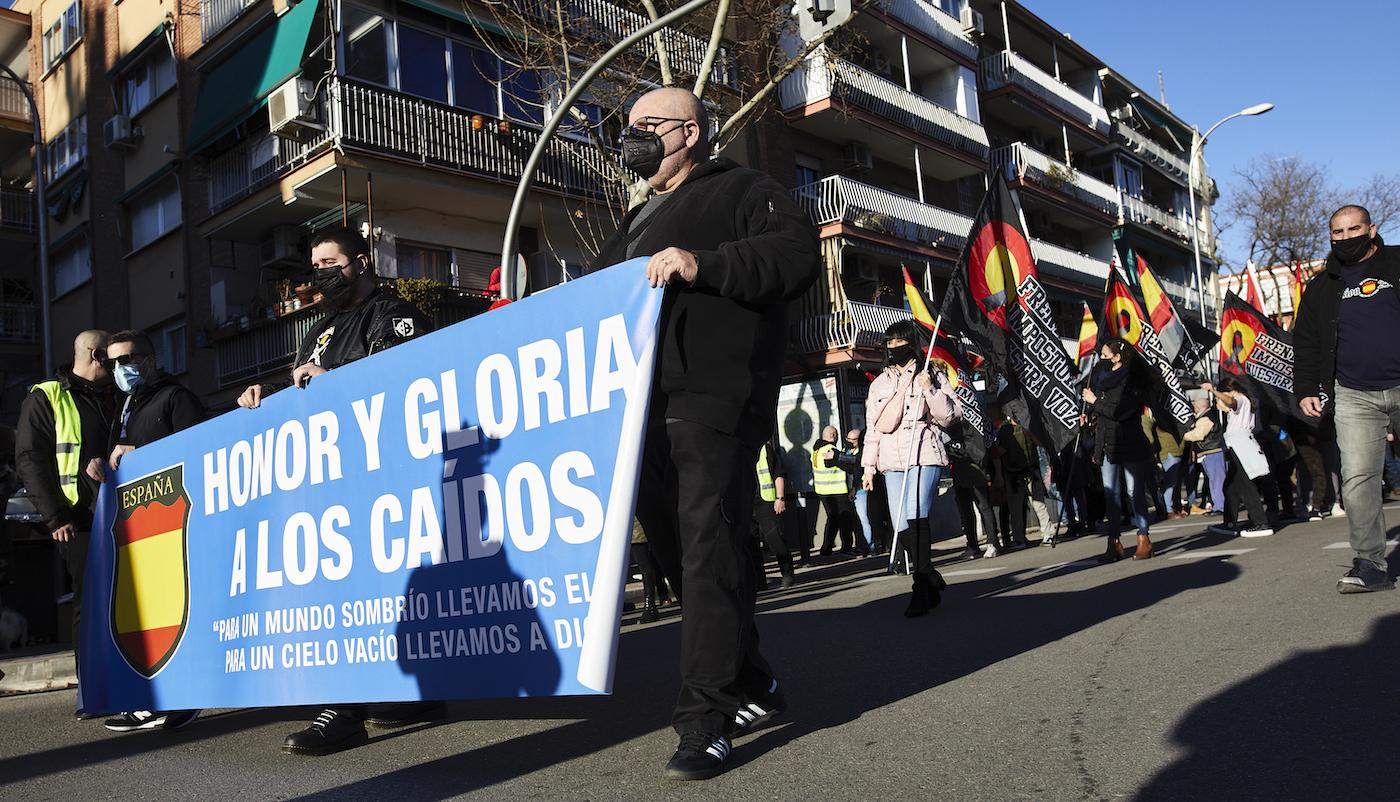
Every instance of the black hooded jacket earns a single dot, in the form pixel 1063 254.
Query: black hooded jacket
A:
pixel 724 337
pixel 34 450
pixel 1120 396
pixel 158 409
pixel 1315 325
pixel 378 322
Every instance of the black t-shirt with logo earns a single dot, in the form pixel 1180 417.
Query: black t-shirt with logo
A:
pixel 1368 328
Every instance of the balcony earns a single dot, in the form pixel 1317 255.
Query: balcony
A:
pixel 1021 162
pixel 215 15
pixel 1168 162
pixel 13 104
pixel 825 78
pixel 1143 213
pixel 936 23
pixel 270 346
pixel 17 323
pixel 1072 264
pixel 17 209
pixel 601 21
pixel 858 325
pixel 838 199
pixel 385 123
pixel 1012 69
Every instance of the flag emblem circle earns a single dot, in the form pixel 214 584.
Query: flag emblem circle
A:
pixel 997 253
pixel 1238 331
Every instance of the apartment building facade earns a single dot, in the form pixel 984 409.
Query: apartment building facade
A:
pixel 21 361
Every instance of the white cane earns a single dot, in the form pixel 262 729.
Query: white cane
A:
pixel 913 447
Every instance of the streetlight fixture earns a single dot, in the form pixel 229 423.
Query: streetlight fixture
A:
pixel 1198 144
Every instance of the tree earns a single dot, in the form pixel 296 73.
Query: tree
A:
pixel 1380 196
pixel 1282 205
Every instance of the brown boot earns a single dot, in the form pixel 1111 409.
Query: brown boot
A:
pixel 1114 552
pixel 1144 548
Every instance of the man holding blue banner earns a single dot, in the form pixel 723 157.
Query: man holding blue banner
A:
pixel 361 319
pixel 732 249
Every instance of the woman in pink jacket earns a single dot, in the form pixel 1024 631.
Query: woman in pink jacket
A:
pixel 908 408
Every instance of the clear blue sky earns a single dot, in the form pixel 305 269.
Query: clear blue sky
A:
pixel 1328 66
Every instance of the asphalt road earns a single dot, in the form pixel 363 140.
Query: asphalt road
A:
pixel 1220 670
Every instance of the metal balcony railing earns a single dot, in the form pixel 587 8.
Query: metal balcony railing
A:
pixel 934 21
pixel 13 103
pixel 606 22
pixel 1011 68
pixel 1077 265
pixel 17 323
pixel 1147 150
pixel 1020 161
pixel 841 199
pixel 858 325
pixel 823 76
pixel 17 209
pixel 377 120
pixel 215 15
pixel 1144 213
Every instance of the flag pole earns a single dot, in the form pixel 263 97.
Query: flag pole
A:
pixel 913 446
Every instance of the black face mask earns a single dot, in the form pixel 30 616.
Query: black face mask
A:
pixel 643 151
pixel 899 354
pixel 1351 250
pixel 337 291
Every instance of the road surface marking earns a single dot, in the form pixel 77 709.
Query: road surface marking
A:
pixel 1191 555
pixel 971 571
pixel 1342 544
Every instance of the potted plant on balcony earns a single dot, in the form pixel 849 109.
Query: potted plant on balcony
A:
pixel 1058 176
pixel 424 293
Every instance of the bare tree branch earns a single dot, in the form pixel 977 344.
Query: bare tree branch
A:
pixel 663 58
pixel 716 35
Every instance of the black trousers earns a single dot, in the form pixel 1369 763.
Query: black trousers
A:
pixel 75 559
pixel 1013 511
pixel 695 502
pixel 840 520
pixel 651 577
pixel 1240 489
pixel 768 528
pixel 975 501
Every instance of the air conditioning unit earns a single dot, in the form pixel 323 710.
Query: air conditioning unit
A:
pixel 291 110
pixel 857 156
pixel 282 246
pixel 118 132
pixel 971 20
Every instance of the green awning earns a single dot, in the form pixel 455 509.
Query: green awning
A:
pixel 454 12
pixel 240 84
pixel 1178 133
pixel 133 55
pixel 148 182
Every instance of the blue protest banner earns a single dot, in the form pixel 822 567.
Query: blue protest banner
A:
pixel 447 519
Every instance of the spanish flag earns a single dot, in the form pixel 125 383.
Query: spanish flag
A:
pixel 1088 336
pixel 1298 282
pixel 917 307
pixel 150 601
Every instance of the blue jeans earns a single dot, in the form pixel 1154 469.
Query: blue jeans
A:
pixel 1172 468
pixel 918 497
pixel 1214 466
pixel 863 512
pixel 1135 475
pixel 1362 418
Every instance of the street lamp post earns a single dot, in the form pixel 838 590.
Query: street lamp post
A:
pixel 1198 144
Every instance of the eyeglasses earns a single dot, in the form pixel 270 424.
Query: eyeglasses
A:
pixel 648 125
pixel 121 359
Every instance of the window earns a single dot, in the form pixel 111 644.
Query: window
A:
pixel 72 266
pixel 62 35
pixel 474 76
pixel 150 78
pixel 809 170
pixel 424 261
pixel 169 345
pixel 366 46
pixel 68 148
pixel 154 212
pixel 522 97
pixel 422 64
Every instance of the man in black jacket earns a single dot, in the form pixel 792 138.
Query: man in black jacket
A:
pixel 155 406
pixel 44 441
pixel 1346 364
pixel 732 250
pixel 361 319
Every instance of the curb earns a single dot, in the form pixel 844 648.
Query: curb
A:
pixel 37 673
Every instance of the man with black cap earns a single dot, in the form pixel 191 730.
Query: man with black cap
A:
pixel 732 250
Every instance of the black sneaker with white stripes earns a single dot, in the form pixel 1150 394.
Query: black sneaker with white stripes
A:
pixel 150 720
pixel 754 713
pixel 699 756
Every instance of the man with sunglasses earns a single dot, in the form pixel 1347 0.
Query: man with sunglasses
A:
pixel 64 423
pixel 362 318
pixel 732 250
pixel 154 405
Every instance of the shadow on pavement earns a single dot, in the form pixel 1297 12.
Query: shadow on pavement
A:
pixel 1322 725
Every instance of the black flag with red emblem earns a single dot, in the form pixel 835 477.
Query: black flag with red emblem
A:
pixel 997 301
pixel 1255 350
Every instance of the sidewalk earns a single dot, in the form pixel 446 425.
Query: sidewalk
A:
pixel 36 669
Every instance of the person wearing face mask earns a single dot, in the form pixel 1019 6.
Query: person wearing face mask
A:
pixel 1346 365
pixel 154 405
pixel 64 423
pixel 361 320
pixel 1118 390
pixel 732 249
pixel 908 409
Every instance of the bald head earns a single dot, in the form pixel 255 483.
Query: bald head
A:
pixel 89 351
pixel 678 118
pixel 830 433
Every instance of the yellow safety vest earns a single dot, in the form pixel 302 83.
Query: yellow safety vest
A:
pixel 829 481
pixel 767 490
pixel 67 436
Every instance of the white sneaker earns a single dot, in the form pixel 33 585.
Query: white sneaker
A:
pixel 1338 512
pixel 991 551
pixel 1262 531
